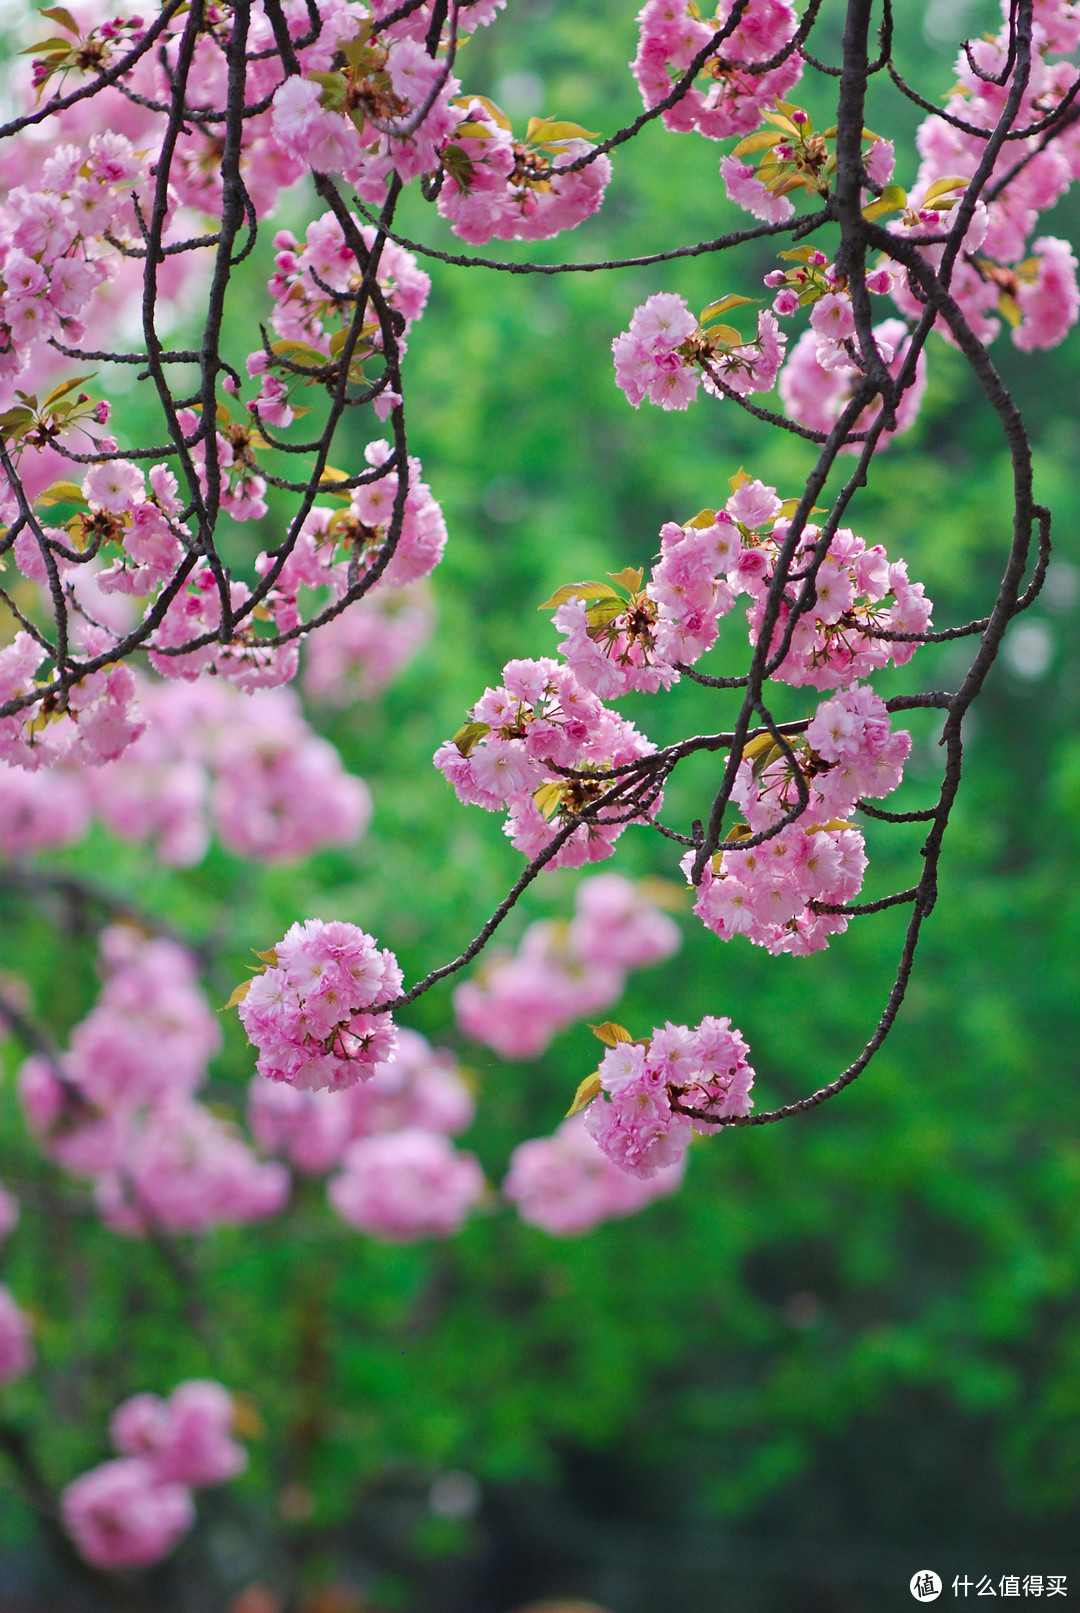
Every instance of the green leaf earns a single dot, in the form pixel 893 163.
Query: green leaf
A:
pixel 757 747
pixel 724 305
pixel 611 1034
pixel 467 736
pixel 892 199
pixel 465 101
pixel 726 335
pixel 940 187
pixel 761 141
pixel 472 131
pixel 578 590
pixel 459 165
pixel 63 16
pixel 790 505
pixel 53 47
pixel 629 578
pixel 1009 308
pixel 766 759
pixel 781 122
pixel 334 89
pixel 13 422
pixel 587 1090
pixel 62 493
pixel 548 132
pixel 549 796
pixel 605 611
pixel 299 353
pixel 738 831
pixel 327 482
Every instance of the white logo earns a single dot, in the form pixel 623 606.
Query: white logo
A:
pixel 925 1585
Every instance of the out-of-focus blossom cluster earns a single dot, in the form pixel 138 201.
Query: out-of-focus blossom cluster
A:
pixel 119 1105
pixel 562 972
pixel 130 1512
pixel 388 1136
pixel 566 1185
pixel 210 760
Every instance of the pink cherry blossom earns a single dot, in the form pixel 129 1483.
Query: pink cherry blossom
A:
pixel 119 1517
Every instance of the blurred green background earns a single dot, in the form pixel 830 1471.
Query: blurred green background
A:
pixel 850 1348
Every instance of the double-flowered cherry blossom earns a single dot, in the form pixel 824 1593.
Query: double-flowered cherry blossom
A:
pixel 649 1097
pixel 770 892
pixel 309 1013
pixel 131 1512
pixel 727 99
pixel 504 189
pixel 538 721
pixel 660 355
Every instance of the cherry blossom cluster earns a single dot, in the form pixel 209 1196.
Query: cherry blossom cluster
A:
pixel 132 1511
pixel 119 1105
pixel 210 760
pixel 309 1013
pixel 1031 284
pixel 563 971
pixel 769 892
pixel 533 746
pixel 74 215
pixel 727 99
pixel 504 189
pixel 614 644
pixel 56 252
pixel 659 356
pixel 334 542
pixel 386 110
pixel 565 1185
pixel 649 1097
pixel 102 719
pixel 793 156
pixel 315 288
pixel 391 108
